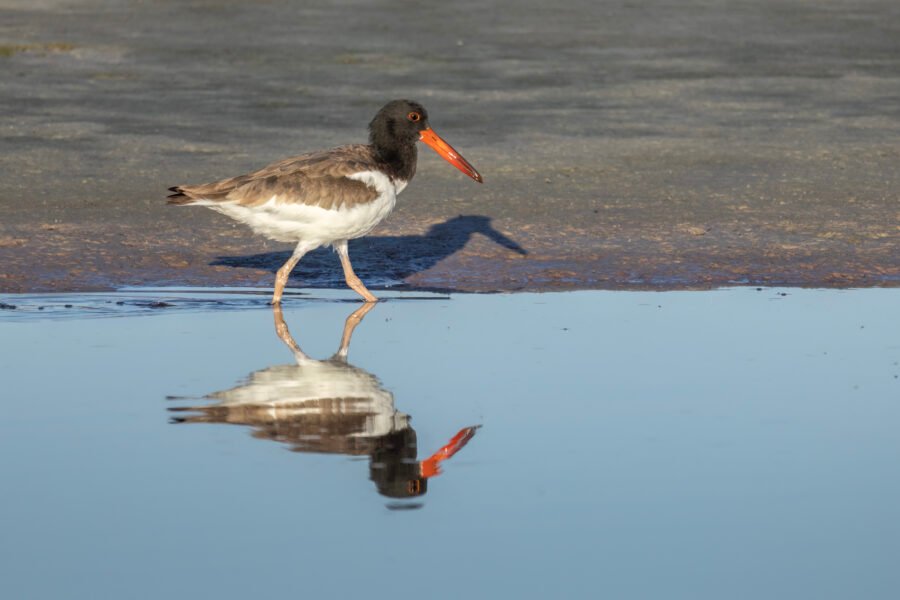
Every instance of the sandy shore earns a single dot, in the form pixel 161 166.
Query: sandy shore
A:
pixel 623 144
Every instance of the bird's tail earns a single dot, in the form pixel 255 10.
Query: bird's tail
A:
pixel 178 197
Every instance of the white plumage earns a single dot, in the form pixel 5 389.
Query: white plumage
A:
pixel 286 221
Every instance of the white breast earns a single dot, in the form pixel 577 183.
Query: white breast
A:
pixel 285 221
pixel 311 387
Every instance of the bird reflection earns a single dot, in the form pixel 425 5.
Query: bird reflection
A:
pixel 330 406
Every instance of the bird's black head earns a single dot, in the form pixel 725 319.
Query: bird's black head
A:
pixel 395 130
pixel 398 123
pixel 393 465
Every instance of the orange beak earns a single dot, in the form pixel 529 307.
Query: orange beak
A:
pixel 431 465
pixel 449 154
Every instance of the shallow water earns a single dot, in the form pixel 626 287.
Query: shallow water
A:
pixel 739 443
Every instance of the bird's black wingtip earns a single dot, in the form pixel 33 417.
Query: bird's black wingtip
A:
pixel 178 196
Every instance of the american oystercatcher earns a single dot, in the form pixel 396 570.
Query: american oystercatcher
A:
pixel 329 406
pixel 332 196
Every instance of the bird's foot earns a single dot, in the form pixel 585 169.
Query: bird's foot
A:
pixel 357 286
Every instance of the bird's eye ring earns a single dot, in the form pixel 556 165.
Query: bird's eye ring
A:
pixel 414 117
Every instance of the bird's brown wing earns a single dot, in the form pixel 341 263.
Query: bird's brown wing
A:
pixel 317 179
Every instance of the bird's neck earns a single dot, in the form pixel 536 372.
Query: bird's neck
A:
pixel 399 159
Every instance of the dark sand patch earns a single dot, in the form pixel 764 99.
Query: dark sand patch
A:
pixel 623 145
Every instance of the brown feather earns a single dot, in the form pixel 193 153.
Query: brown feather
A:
pixel 324 424
pixel 315 179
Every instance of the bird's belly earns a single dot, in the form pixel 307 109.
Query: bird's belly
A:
pixel 293 222
pixel 313 390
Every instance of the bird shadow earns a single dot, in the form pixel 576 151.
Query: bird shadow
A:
pixel 381 261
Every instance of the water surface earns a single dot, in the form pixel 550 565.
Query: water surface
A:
pixel 730 444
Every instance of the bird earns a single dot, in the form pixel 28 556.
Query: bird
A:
pixel 329 407
pixel 331 196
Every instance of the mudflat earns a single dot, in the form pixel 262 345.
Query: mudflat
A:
pixel 623 144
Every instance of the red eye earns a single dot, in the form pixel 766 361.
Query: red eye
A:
pixel 413 116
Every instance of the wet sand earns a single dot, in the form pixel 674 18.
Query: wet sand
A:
pixel 626 145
